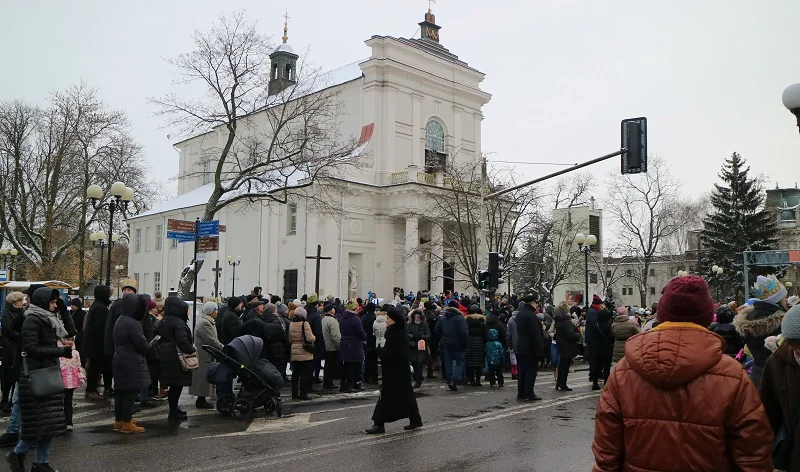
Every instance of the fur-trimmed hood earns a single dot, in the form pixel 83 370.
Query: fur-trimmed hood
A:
pixel 749 325
pixel 475 316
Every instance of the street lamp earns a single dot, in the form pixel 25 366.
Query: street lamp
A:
pixel 121 197
pixel 717 271
pixel 119 269
pixel 791 100
pixel 8 256
pixel 510 266
pixel 233 264
pixel 585 244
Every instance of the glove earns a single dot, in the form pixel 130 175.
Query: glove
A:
pixel 67 352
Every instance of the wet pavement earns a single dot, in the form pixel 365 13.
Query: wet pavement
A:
pixel 472 429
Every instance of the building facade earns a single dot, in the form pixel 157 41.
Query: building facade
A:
pixel 415 105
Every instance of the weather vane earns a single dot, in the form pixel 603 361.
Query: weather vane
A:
pixel 430 2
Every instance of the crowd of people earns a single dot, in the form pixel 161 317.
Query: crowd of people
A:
pixel 686 370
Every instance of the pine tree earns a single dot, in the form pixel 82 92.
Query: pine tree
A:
pixel 739 222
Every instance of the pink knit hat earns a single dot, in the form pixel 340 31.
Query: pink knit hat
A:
pixel 622 311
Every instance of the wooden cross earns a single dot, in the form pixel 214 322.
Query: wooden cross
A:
pixel 216 271
pixel 319 258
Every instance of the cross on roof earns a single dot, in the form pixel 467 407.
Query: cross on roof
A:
pixel 430 2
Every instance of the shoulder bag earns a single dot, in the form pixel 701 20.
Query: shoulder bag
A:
pixel 782 446
pixel 43 382
pixel 309 347
pixel 189 362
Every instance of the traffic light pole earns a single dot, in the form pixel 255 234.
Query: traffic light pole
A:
pixel 483 254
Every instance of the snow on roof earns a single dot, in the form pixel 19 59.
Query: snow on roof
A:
pixel 196 197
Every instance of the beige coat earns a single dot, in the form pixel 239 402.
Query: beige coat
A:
pixel 622 328
pixel 296 338
pixel 205 333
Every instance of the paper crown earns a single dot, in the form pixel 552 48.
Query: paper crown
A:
pixel 132 283
pixel 769 289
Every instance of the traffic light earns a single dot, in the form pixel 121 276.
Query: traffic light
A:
pixel 483 279
pixel 495 271
pixel 634 142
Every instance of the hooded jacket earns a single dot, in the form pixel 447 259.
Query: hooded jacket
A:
pixel 297 329
pixel 452 330
pixel 352 337
pixel 622 329
pixel 94 323
pixel 756 324
pixel 779 393
pixel 476 350
pixel 175 335
pixel 130 346
pixel 675 402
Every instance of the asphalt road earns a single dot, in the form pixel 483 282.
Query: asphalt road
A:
pixel 474 429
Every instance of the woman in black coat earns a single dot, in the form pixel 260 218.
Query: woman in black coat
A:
pixel 42 417
pixel 603 346
pixel 397 400
pixel 567 342
pixel 475 357
pixel 418 331
pixel 130 366
pixel 94 325
pixel 175 334
pixel 724 327
pixel 13 316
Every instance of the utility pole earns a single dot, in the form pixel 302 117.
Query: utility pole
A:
pixel 483 251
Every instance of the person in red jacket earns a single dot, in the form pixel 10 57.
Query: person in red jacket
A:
pixel 676 402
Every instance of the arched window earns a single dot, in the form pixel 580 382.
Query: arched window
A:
pixel 434 137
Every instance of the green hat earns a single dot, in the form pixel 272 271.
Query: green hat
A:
pixel 313 298
pixel 351 305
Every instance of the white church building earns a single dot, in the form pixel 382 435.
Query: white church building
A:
pixel 415 105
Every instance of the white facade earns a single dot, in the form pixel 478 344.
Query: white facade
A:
pixel 395 93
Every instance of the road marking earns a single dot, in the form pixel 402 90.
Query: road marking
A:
pixel 322 449
pixel 276 425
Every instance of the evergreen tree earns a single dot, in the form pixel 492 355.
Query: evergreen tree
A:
pixel 738 222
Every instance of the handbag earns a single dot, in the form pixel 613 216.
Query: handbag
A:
pixel 309 347
pixel 43 382
pixel 782 445
pixel 188 362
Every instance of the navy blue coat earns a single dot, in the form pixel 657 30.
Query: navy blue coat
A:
pixel 315 320
pixel 367 320
pixel 353 337
pixel 452 331
pixel 130 346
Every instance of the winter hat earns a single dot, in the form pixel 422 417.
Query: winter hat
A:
pixel 151 305
pixel 209 307
pixel 300 311
pixel 351 305
pixel 14 297
pixel 328 307
pixel 76 302
pixel 687 299
pixel 790 326
pixel 474 309
pixel 270 308
pixel 793 300
pixel 453 304
pixel 313 298
pixel 596 300
pixel 622 311
pixel 769 289
pixel 233 303
pixel 129 283
pixel 283 309
pixel 43 296
pixel 396 316
pixel 531 298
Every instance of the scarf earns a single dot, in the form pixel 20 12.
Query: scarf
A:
pixel 50 317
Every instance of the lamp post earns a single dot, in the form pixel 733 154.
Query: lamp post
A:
pixel 514 251
pixel 791 100
pixel 717 271
pixel 585 244
pixel 119 269
pixel 8 257
pixel 233 264
pixel 121 197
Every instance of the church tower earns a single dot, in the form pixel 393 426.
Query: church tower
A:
pixel 429 28
pixel 283 73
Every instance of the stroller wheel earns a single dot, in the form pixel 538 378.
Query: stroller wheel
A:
pixel 269 405
pixel 225 404
pixel 242 409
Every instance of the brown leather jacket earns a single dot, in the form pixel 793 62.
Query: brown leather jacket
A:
pixel 676 403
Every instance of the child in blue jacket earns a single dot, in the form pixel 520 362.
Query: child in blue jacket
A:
pixel 495 356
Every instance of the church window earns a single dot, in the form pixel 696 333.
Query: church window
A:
pixel 274 71
pixel 291 224
pixel 434 137
pixel 138 240
pixel 788 214
pixel 207 176
pixel 289 72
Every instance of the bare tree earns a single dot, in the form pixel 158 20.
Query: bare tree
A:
pixel 645 208
pixel 272 145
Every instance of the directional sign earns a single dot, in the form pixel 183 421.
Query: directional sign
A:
pixel 180 225
pixel 182 237
pixel 3 275
pixel 207 244
pixel 208 228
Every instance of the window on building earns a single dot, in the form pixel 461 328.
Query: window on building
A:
pixel 652 272
pixel 652 290
pixel 173 243
pixel 628 273
pixel 627 290
pixel 137 245
pixel 592 278
pixel 291 222
pixel 136 276
pixel 608 274
pixel 788 215
pixel 147 239
pixel 672 271
pixel 434 147
pixel 208 177
pixel 594 228
pixel 159 237
pixel 156 281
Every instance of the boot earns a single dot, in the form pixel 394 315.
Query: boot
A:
pixel 411 426
pixel 94 397
pixel 376 429
pixel 16 461
pixel 417 384
pixel 595 385
pixel 9 440
pixel 162 394
pixel 43 467
pixel 117 426
pixel 130 427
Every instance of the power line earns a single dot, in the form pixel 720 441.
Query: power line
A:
pixel 534 163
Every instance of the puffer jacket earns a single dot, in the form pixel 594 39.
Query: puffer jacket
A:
pixel 622 329
pixel 299 326
pixel 331 333
pixel 676 388
pixel 175 334
pixel 379 328
pixel 755 324
pixel 43 417
pixel 277 347
pixel 12 342
pixel 567 336
pixel 130 346
pixel 778 389
pixel 452 331
pixel 476 350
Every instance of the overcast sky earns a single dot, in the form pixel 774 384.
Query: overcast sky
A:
pixel 708 74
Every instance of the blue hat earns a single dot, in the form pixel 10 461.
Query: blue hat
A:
pixel 790 326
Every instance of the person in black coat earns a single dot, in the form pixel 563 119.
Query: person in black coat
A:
pixel 370 354
pixel 475 357
pixel 42 417
pixel 277 346
pixel 603 346
pixel 175 335
pixel 418 331
pixel 78 315
pixel 530 345
pixel 397 400
pixel 94 342
pixel 130 365
pixel 724 327
pixel 315 320
pixel 13 316
pixel 230 323
pixel 114 312
pixel 567 342
pixel 431 317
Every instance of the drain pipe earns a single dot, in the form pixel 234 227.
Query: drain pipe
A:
pixel 341 239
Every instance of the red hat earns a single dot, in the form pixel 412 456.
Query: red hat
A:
pixel 151 304
pixel 686 299
pixel 596 300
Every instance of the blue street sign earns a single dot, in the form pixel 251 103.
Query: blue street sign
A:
pixel 181 236
pixel 208 228
pixel 3 275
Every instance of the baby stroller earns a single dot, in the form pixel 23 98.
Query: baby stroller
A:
pixel 261 381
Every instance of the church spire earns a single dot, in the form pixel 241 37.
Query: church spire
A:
pixel 285 27
pixel 283 72
pixel 428 28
